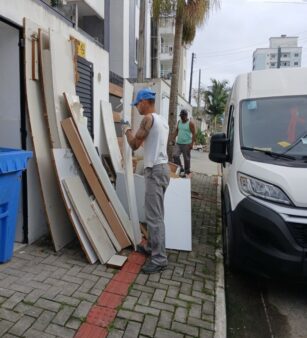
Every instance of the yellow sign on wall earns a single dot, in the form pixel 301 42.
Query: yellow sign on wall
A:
pixel 81 48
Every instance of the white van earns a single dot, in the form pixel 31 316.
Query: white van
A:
pixel 263 152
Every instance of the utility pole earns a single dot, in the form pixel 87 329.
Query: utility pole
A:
pixel 191 76
pixel 141 48
pixel 198 97
pixel 278 57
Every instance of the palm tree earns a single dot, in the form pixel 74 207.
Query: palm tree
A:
pixel 189 15
pixel 216 99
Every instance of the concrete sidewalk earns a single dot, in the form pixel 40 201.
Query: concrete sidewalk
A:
pixel 48 294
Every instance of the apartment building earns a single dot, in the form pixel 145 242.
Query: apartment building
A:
pixel 283 52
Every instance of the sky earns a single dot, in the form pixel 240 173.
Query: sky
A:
pixel 224 45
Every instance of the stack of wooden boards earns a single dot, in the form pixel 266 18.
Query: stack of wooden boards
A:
pixel 78 195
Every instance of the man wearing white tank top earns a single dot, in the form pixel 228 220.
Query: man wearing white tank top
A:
pixel 153 132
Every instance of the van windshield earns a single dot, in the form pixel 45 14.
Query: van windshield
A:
pixel 276 125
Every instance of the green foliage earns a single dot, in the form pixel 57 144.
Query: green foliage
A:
pixel 200 137
pixel 216 98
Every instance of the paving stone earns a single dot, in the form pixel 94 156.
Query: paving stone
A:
pixel 206 334
pixel 147 310
pixel 85 296
pixel 157 285
pixel 33 296
pixel 203 296
pixel 166 319
pixel 67 300
pixel 82 310
pixel 76 269
pixel 21 326
pixel 6 292
pixel 145 299
pixel 131 315
pixel 143 288
pixel 162 333
pixel 129 302
pixel 185 329
pixel 29 310
pixel 9 315
pixel 60 331
pixel 201 323
pixel 32 333
pixel 63 315
pixel 48 305
pixel 173 291
pixel 198 286
pixel 169 282
pixel 132 330
pixel 135 293
pixel 115 333
pixel 208 307
pixel 149 325
pixel 20 288
pixel 11 302
pixel 43 320
pixel 5 325
pixel 190 299
pixel 195 311
pixel 159 295
pixel 181 314
pixel 176 302
pixel 73 323
pixel 86 286
pixel 120 323
pixel 186 289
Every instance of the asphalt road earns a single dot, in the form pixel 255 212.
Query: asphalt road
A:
pixel 200 163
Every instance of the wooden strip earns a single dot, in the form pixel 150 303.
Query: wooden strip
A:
pixel 115 90
pixel 60 227
pixel 105 224
pixel 66 166
pixel 81 155
pixel 109 130
pixel 128 167
pixel 91 224
pixel 99 168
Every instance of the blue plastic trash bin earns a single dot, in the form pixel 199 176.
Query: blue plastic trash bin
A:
pixel 12 163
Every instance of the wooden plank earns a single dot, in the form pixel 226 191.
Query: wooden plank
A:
pixel 105 224
pixel 99 168
pixel 128 167
pixel 85 164
pixel 60 227
pixel 66 167
pixel 91 224
pixel 115 90
pixel 109 131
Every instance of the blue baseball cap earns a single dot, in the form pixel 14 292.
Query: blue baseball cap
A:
pixel 144 94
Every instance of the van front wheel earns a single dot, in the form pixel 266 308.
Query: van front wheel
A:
pixel 228 236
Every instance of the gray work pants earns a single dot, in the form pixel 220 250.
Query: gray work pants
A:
pixel 156 182
pixel 185 150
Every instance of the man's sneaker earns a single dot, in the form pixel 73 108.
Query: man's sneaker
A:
pixel 142 250
pixel 151 267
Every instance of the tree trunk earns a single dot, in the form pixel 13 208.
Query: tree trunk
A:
pixel 172 118
pixel 141 47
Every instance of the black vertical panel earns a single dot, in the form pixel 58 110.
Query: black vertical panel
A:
pixel 84 89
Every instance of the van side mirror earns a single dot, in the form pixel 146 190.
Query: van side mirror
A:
pixel 218 148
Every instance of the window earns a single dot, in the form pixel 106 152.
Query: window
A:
pixel 296 54
pixel 273 64
pixel 273 56
pixel 230 132
pixel 295 63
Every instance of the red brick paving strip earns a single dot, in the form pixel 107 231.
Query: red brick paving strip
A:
pixel 104 312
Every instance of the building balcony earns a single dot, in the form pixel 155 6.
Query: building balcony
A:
pixel 166 74
pixel 166 52
pixel 89 7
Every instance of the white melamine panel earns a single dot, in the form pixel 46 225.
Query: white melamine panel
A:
pixel 91 223
pixel 60 227
pixel 109 131
pixel 66 166
pixel 128 166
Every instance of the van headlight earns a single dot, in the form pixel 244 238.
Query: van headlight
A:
pixel 254 187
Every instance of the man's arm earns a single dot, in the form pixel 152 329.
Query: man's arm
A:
pixel 136 141
pixel 192 128
pixel 173 139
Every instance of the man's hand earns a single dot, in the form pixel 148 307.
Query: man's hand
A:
pixel 125 126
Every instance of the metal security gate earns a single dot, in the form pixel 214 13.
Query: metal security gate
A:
pixel 84 89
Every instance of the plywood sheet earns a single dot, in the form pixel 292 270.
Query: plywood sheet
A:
pixel 98 167
pixel 91 224
pixel 109 131
pixel 61 229
pixel 128 167
pixel 85 164
pixel 117 261
pixel 66 166
pixel 105 224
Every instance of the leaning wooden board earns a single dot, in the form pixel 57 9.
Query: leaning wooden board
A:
pixel 60 227
pixel 66 167
pixel 85 164
pixel 98 167
pixel 91 224
pixel 128 166
pixel 109 130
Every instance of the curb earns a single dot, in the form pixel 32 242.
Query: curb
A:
pixel 220 300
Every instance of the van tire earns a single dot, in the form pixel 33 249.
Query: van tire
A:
pixel 228 235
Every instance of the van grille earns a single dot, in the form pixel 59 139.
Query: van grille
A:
pixel 299 232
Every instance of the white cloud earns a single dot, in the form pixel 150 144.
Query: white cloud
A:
pixel 225 44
